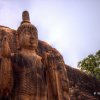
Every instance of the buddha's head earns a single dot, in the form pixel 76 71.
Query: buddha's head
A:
pixel 27 33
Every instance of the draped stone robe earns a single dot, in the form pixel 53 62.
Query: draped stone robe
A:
pixel 29 79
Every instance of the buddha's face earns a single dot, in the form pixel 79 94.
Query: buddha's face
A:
pixel 28 40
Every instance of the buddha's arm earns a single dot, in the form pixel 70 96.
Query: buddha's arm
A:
pixel 56 77
pixel 6 73
pixel 51 77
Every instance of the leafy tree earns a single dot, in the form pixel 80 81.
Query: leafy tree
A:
pixel 91 65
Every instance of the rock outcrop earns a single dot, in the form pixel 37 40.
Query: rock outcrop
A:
pixel 82 86
pixel 34 70
pixel 61 81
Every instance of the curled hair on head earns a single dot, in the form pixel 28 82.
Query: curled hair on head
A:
pixel 25 28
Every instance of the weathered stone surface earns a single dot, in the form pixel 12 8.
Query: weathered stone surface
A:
pixel 37 71
pixel 82 86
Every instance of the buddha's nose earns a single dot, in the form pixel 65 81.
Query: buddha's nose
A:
pixel 32 36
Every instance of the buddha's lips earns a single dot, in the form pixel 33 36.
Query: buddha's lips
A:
pixel 32 41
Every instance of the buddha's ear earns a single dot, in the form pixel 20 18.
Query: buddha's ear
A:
pixel 18 43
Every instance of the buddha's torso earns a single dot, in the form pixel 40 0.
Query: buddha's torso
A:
pixel 29 77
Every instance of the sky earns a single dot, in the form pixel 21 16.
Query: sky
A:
pixel 70 26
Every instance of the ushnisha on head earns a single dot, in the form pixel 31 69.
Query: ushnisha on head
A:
pixel 25 17
pixel 27 33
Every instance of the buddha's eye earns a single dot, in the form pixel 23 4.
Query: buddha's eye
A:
pixel 1 38
pixel 27 33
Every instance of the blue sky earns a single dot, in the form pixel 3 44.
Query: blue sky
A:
pixel 71 26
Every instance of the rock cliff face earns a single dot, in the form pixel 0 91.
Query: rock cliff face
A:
pixel 81 86
pixel 45 78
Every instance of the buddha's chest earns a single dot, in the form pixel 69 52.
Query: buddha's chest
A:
pixel 28 75
pixel 28 84
pixel 27 64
